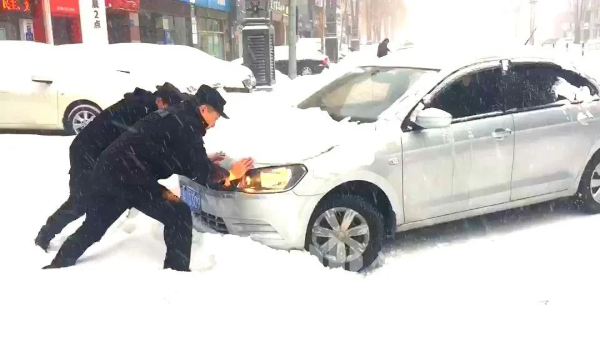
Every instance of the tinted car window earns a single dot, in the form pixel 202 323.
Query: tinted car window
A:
pixel 472 94
pixel 531 86
pixel 364 94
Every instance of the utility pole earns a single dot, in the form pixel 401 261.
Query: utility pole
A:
pixel 292 73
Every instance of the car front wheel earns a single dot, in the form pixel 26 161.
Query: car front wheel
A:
pixel 345 231
pixel 79 116
pixel 589 187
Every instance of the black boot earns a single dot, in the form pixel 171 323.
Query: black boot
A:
pixel 42 240
pixel 177 268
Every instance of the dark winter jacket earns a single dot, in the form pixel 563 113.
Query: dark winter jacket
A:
pixel 108 126
pixel 164 143
pixel 382 49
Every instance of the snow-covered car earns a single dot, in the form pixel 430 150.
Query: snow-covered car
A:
pixel 308 60
pixel 416 139
pixel 177 64
pixel 60 93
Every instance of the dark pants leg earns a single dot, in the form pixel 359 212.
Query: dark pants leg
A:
pixel 68 212
pixel 71 210
pixel 162 205
pixel 99 217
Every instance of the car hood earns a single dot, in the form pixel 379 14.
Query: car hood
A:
pixel 298 136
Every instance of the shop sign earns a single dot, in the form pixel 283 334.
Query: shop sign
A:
pixel 93 21
pixel 279 6
pixel 15 5
pixel 64 7
pixel 219 5
pixel 126 5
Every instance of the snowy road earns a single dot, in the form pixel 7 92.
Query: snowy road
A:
pixel 522 275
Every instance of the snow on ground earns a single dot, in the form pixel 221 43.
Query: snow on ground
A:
pixel 527 274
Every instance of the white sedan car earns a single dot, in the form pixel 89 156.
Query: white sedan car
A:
pixel 40 89
pixel 416 139
pixel 64 87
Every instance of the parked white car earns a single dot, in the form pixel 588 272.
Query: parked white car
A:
pixel 64 87
pixel 441 137
pixel 41 89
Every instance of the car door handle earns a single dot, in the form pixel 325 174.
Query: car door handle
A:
pixel 584 118
pixel 499 134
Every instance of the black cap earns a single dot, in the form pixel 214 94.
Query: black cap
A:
pixel 169 93
pixel 210 96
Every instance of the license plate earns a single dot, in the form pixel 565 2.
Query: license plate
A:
pixel 191 197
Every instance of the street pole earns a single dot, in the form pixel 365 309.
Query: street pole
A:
pixel 323 27
pixel 292 39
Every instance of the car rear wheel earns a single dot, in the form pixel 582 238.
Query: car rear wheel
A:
pixel 306 71
pixel 345 231
pixel 589 187
pixel 79 116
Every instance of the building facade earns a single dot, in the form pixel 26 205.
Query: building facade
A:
pixel 204 24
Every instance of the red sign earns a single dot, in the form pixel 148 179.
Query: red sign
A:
pixel 126 5
pixel 15 5
pixel 64 7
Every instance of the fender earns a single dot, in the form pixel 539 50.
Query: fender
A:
pixel 321 186
pixel 595 147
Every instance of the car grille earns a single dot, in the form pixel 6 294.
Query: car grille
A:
pixel 213 222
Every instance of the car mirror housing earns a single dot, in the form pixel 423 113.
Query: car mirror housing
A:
pixel 433 118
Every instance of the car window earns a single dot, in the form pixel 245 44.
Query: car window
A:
pixel 364 94
pixel 472 94
pixel 530 86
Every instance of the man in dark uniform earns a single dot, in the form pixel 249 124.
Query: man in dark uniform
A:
pixel 164 143
pixel 92 141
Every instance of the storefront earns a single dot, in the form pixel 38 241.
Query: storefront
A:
pixel 66 24
pixel 213 28
pixel 15 20
pixel 280 19
pixel 165 22
pixel 122 19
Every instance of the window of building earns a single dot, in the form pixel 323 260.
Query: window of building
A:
pixel 212 37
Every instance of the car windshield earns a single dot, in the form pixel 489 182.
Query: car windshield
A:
pixel 362 95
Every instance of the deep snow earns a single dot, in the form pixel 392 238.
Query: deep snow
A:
pixel 528 274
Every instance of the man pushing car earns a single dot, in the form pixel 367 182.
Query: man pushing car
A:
pixel 164 143
pixel 92 141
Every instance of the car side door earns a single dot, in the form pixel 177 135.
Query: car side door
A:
pixel 468 165
pixel 552 136
pixel 27 95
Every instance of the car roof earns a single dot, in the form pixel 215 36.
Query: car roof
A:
pixel 440 58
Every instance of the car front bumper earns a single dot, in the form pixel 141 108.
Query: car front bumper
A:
pixel 276 220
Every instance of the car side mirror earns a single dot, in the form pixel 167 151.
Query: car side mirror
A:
pixel 42 79
pixel 433 118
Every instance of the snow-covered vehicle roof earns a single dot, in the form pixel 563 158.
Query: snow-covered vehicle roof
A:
pixel 430 57
pixel 183 66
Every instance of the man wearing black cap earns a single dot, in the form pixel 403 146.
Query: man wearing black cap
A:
pixel 92 141
pixel 164 143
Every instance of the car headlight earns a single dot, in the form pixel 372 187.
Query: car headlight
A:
pixel 272 179
pixel 250 83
